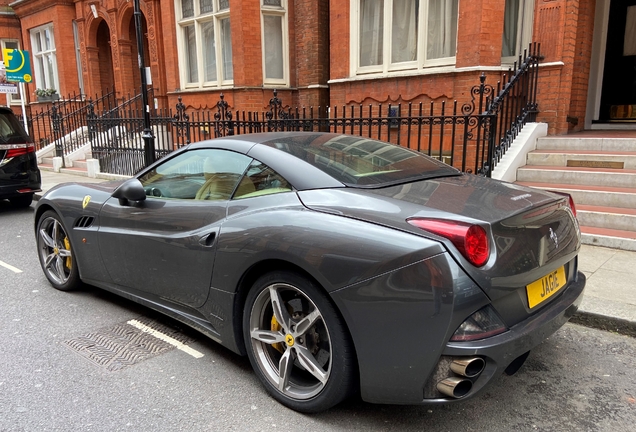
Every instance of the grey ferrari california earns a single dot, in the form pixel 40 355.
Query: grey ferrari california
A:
pixel 337 264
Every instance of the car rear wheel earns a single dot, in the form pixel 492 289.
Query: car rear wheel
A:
pixel 22 200
pixel 297 343
pixel 55 253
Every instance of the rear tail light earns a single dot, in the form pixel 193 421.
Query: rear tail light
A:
pixel 471 240
pixel 14 150
pixel 482 324
pixel 570 201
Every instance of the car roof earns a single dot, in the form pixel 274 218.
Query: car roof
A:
pixel 302 175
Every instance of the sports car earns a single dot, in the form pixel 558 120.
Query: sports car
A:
pixel 337 264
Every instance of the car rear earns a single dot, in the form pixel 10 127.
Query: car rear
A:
pixel 19 174
pixel 515 245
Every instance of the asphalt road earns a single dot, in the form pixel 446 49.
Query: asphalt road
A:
pixel 580 379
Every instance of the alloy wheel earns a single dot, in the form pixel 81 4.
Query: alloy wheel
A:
pixel 290 341
pixel 55 251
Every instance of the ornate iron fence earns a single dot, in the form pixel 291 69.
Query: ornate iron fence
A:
pixel 472 136
pixel 514 104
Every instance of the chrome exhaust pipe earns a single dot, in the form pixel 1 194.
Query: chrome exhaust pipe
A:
pixel 454 387
pixel 469 367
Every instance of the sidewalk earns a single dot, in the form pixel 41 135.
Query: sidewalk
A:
pixel 609 302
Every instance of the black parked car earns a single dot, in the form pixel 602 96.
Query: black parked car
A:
pixel 19 173
pixel 336 263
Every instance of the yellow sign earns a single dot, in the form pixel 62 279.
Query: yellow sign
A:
pixel 87 199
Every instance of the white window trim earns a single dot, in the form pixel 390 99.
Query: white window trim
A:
pixel 282 12
pixel 197 20
pixel 387 67
pixel 10 99
pixel 36 71
pixel 524 31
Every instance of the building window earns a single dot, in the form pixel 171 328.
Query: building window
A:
pixel 517 32
pixel 392 35
pixel 45 63
pixel 12 98
pixel 78 57
pixel 205 43
pixel 275 41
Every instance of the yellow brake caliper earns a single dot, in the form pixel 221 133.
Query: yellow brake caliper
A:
pixel 277 327
pixel 67 246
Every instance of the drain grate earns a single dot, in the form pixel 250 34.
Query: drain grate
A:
pixel 124 345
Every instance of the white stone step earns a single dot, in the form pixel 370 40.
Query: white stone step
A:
pixel 577 176
pixel 572 144
pixel 593 195
pixel 607 217
pixel 561 158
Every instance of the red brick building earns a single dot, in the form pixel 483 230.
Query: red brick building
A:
pixel 337 52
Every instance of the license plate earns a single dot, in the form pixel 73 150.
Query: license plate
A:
pixel 544 288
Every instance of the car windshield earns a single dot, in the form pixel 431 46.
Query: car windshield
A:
pixel 11 131
pixel 362 162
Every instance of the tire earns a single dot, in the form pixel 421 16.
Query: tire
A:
pixel 22 200
pixel 305 337
pixel 55 253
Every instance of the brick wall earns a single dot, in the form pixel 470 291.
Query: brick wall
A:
pixel 563 27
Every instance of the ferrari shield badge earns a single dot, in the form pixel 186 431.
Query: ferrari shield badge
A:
pixel 87 199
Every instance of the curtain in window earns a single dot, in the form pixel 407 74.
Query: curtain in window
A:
pixel 273 31
pixel 226 49
pixel 371 30
pixel 511 28
pixel 191 49
pixel 629 46
pixel 441 38
pixel 209 50
pixel 404 31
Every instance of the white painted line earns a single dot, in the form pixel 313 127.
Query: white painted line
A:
pixel 164 337
pixel 10 267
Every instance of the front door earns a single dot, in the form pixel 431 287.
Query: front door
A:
pixel 618 98
pixel 165 245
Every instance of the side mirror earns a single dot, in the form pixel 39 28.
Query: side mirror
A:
pixel 130 190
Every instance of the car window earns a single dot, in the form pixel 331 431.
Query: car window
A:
pixel 10 130
pixel 261 180
pixel 362 162
pixel 202 174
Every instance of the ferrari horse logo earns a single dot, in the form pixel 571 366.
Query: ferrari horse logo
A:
pixel 87 199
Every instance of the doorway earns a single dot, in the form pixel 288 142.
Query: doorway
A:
pixel 618 91
pixel 106 81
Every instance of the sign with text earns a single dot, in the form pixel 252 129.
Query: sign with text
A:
pixel 5 86
pixel 17 64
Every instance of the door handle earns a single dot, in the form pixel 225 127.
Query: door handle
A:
pixel 208 240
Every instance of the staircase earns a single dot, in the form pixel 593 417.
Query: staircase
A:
pixel 78 168
pixel 598 168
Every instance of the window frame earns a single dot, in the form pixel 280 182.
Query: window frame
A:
pixel 525 28
pixel 197 20
pixel 12 98
pixel 38 56
pixel 282 12
pixel 387 67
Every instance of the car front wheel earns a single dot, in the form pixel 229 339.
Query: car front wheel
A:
pixel 55 253
pixel 297 343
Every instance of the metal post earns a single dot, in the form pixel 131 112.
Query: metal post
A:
pixel 149 139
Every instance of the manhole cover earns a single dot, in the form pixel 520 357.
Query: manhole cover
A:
pixel 127 343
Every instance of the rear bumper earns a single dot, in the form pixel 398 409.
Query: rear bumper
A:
pixel 13 187
pixel 501 350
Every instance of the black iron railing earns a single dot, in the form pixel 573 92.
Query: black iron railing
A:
pixel 514 104
pixel 471 136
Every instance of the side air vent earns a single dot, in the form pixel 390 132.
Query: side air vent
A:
pixel 84 222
